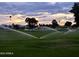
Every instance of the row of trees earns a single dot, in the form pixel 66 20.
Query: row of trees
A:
pixel 32 22
pixel 75 9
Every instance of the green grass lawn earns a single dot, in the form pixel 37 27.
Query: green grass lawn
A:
pixel 37 33
pixel 56 44
pixel 62 29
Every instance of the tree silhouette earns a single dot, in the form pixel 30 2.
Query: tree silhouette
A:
pixel 54 24
pixel 32 22
pixel 75 10
pixel 68 24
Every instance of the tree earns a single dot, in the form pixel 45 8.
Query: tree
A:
pixel 54 24
pixel 15 26
pixel 68 24
pixel 75 10
pixel 32 22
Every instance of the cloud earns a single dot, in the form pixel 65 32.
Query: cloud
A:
pixel 45 12
pixel 46 17
pixel 42 17
pixel 25 7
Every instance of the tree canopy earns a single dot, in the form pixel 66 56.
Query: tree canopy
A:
pixel 75 10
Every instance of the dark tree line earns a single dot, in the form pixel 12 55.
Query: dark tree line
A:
pixel 32 22
pixel 75 10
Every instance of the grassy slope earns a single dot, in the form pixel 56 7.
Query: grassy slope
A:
pixel 54 45
pixel 37 33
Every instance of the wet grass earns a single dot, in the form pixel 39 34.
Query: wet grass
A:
pixel 56 44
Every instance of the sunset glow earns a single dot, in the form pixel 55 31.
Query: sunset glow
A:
pixel 44 12
pixel 62 22
pixel 20 19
